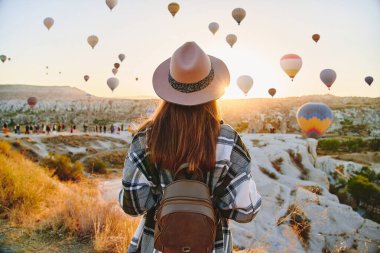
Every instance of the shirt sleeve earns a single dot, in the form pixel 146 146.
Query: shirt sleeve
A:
pixel 136 197
pixel 238 198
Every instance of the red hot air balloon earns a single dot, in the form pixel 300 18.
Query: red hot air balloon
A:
pixel 272 91
pixel 32 101
pixel 116 65
pixel 86 77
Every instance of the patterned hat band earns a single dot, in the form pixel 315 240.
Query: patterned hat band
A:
pixel 192 87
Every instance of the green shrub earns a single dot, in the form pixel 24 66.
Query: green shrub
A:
pixel 374 144
pixel 63 167
pixel 353 145
pixel 364 191
pixel 329 144
pixel 96 166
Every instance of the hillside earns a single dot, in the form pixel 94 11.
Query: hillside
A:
pixel 360 115
pixel 22 92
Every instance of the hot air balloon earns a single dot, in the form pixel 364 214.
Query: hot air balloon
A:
pixel 3 58
pixel 369 80
pixel 173 8
pixel 47 67
pixel 272 91
pixel 92 40
pixel 111 3
pixel 48 22
pixel 328 77
pixel 116 65
pixel 245 83
pixel 114 71
pixel 32 101
pixel 213 27
pixel 112 83
pixel 315 37
pixel 231 39
pixel 86 77
pixel 9 59
pixel 291 64
pixel 238 14
pixel 136 78
pixel 314 119
pixel 110 103
pixel 121 57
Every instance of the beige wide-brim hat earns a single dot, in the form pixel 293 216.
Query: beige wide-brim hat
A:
pixel 191 77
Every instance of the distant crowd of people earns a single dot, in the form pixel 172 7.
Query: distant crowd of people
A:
pixel 49 128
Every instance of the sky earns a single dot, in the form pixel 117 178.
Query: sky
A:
pixel 147 34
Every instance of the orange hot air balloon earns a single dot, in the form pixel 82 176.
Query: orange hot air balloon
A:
pixel 173 8
pixel 86 77
pixel 316 37
pixel 272 91
pixel 116 65
pixel 32 101
pixel 291 64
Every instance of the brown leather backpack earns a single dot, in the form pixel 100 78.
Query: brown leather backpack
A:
pixel 185 219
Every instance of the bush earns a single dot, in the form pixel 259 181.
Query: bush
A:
pixel 329 144
pixel 63 168
pixel 374 144
pixel 353 145
pixel 96 166
pixel 364 191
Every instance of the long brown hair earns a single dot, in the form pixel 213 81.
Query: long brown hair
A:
pixel 184 134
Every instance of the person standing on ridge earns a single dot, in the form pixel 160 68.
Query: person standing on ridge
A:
pixel 186 135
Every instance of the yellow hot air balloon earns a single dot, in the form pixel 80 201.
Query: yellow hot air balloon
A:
pixel 238 14
pixel 92 40
pixel 173 8
pixel 291 64
pixel 48 22
pixel 111 3
pixel 245 83
pixel 213 27
pixel 231 39
pixel 314 119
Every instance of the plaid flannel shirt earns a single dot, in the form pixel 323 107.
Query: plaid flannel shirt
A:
pixel 231 181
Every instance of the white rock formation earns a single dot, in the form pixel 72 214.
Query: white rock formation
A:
pixel 332 225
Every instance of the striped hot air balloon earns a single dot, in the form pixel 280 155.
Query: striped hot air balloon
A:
pixel 314 119
pixel 291 64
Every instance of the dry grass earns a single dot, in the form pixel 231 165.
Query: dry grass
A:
pixel 79 140
pixel 44 205
pixel 297 160
pixel 299 223
pixel 313 188
pixel 277 164
pixel 268 173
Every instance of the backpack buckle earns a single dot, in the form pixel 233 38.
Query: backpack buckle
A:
pixel 186 249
